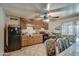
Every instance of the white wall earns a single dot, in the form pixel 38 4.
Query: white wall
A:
pixel 54 24
pixel 12 22
pixel 2 23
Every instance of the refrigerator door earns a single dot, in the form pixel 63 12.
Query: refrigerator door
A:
pixel 14 38
pixel 14 42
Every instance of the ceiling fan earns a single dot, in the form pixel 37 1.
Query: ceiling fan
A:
pixel 46 13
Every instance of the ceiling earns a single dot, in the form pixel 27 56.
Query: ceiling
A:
pixel 29 9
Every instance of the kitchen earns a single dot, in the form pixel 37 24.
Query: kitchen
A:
pixel 31 32
pixel 38 29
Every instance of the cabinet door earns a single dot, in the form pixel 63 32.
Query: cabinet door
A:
pixel 24 42
pixel 23 23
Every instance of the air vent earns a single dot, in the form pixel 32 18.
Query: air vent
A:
pixel 13 19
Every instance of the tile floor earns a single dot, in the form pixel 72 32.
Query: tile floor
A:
pixel 34 50
pixel 40 50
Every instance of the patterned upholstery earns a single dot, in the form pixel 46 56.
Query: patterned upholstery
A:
pixel 50 47
pixel 71 37
pixel 60 45
pixel 63 43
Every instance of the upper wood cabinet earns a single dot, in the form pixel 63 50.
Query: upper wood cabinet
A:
pixel 23 23
pixel 37 24
pixel 40 24
pixel 45 25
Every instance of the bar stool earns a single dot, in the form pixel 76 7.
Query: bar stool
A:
pixel 60 45
pixel 50 47
pixel 67 42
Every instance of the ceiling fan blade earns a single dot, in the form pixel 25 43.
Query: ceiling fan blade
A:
pixel 55 16
pixel 60 9
pixel 40 8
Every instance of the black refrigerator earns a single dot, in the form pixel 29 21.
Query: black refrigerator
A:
pixel 14 38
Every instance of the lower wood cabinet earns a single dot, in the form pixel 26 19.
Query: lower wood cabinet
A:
pixel 24 42
pixel 27 41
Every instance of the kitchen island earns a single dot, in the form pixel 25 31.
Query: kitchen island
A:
pixel 31 40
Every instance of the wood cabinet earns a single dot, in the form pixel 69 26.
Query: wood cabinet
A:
pixel 40 24
pixel 24 41
pixel 37 24
pixel 45 25
pixel 27 41
pixel 23 23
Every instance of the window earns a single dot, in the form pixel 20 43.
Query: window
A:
pixel 68 28
pixel 71 28
pixel 77 32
